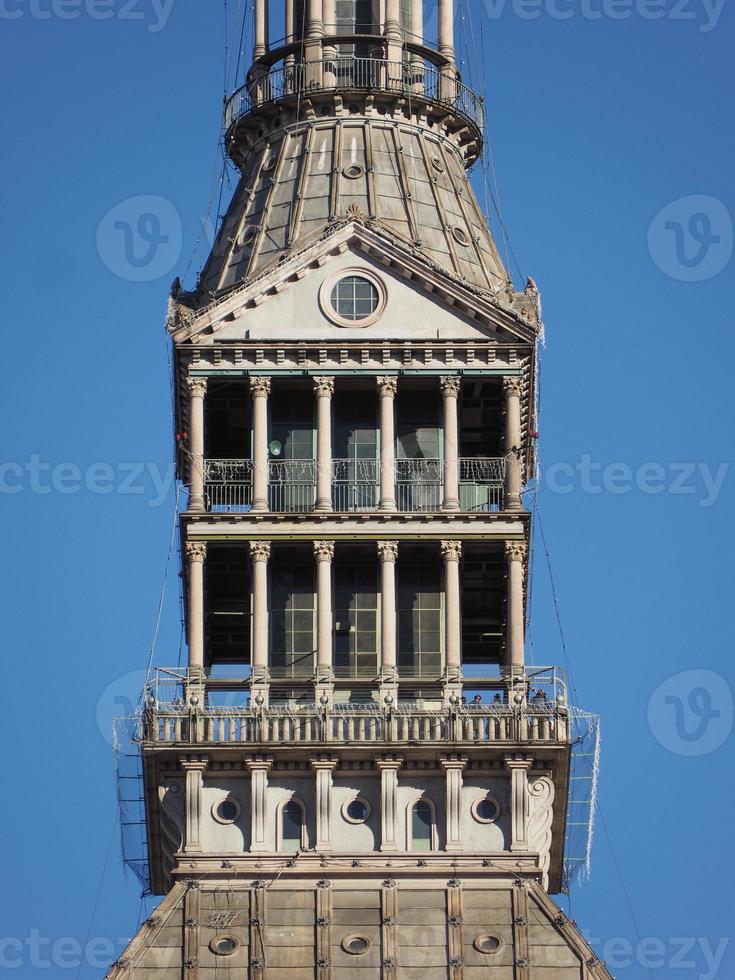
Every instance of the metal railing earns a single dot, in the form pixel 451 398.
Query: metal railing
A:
pixel 413 77
pixel 355 484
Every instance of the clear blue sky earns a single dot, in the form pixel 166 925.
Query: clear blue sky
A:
pixel 598 121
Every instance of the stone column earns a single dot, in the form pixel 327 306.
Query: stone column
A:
pixel 513 439
pixel 516 553
pixel 329 16
pixel 196 552
pixel 387 387
pixel 197 390
pixel 453 765
pixel 260 388
pixel 259 767
pixel 194 771
pixel 260 30
pixel 518 766
pixel 388 768
pixel 388 553
pixel 323 389
pixel 324 555
pixel 314 34
pixel 393 35
pixel 450 396
pixel 452 553
pixel 446 29
pixel 260 552
pixel 323 767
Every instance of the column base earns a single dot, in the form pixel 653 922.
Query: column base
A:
pixel 324 687
pixel 259 507
pixel 387 506
pixel 452 505
pixel 259 687
pixel 195 687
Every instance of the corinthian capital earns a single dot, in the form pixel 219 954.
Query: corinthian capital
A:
pixel 388 550
pixel 512 385
pixel 324 550
pixel 197 387
pixel 451 550
pixel 450 385
pixel 195 550
pixel 387 385
pixel 260 387
pixel 516 550
pixel 324 386
pixel 260 550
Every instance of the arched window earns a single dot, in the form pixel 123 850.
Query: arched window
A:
pixel 422 826
pixel 291 826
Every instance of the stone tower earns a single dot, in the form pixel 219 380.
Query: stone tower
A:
pixel 357 775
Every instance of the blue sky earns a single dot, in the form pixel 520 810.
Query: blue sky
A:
pixel 602 114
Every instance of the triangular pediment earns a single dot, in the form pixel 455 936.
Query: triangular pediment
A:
pixel 421 300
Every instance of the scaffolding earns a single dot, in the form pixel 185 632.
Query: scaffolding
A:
pixel 130 798
pixel 584 769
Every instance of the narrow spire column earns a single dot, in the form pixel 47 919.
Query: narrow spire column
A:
pixel 452 553
pixel 329 18
pixel 193 772
pixel 450 395
pixel 512 387
pixel 260 30
pixel 387 387
pixel 516 553
pixel 518 766
pixel 388 553
pixel 446 29
pixel 453 767
pixel 259 767
pixel 323 767
pixel 260 552
pixel 324 554
pixel 197 390
pixel 323 389
pixel 393 36
pixel 260 388
pixel 388 768
pixel 196 552
pixel 417 37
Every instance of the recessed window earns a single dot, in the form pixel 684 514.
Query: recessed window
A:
pixel 356 811
pixel 486 943
pixel 461 236
pixel 355 945
pixel 422 820
pixel 486 810
pixel 226 811
pixel 352 171
pixel 354 298
pixel 224 945
pixel 292 826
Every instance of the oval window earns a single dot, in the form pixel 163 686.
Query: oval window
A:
pixel 356 945
pixel 357 810
pixel 486 810
pixel 224 945
pixel 226 811
pixel 486 944
pixel 461 236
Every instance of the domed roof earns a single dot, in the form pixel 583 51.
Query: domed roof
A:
pixel 398 176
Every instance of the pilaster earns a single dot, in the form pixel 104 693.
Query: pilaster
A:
pixel 323 767
pixel 388 767
pixel 193 768
pixel 259 766
pixel 518 766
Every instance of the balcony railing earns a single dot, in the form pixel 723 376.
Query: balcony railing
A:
pixel 415 78
pixel 355 485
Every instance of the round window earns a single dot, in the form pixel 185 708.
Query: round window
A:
pixel 226 811
pixel 461 236
pixel 486 944
pixel 354 298
pixel 224 945
pixel 356 810
pixel 356 945
pixel 352 171
pixel 486 810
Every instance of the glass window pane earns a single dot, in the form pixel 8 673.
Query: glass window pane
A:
pixel 421 827
pixel 291 825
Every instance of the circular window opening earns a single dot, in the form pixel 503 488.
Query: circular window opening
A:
pixel 353 171
pixel 461 236
pixel 270 162
pixel 226 811
pixel 486 810
pixel 356 811
pixel 437 164
pixel 354 298
pixel 247 235
pixel 486 944
pixel 224 945
pixel 356 945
